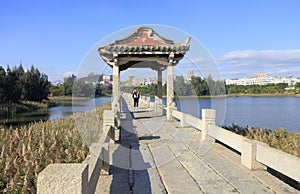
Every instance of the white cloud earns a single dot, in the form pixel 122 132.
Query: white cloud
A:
pixel 249 62
pixel 194 60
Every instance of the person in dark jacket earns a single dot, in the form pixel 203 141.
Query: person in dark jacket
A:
pixel 135 96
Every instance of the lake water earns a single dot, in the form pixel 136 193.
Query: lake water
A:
pixel 262 112
pixel 66 109
pixel 78 106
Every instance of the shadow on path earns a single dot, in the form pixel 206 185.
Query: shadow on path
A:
pixel 129 170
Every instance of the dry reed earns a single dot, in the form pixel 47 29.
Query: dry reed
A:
pixel 281 139
pixel 26 151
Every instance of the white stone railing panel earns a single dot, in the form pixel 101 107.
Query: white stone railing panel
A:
pixel 229 138
pixel 194 122
pixel 177 114
pixel 280 161
pixel 158 105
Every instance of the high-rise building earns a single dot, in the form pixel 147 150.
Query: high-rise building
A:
pixel 261 75
pixel 189 75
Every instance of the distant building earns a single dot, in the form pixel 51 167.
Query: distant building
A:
pixel 189 75
pixel 72 77
pixel 262 79
pixel 149 81
pixel 137 81
pixel 134 81
pixel 95 79
pixel 261 75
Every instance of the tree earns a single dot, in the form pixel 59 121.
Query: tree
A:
pixel 12 90
pixel 3 94
pixel 16 85
pixel 56 91
pixel 21 80
pixel 36 84
pixel 68 86
pixel 180 86
pixel 82 89
pixel 200 86
pixel 164 90
pixel 106 89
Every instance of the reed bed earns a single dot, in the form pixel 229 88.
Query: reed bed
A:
pixel 281 139
pixel 26 151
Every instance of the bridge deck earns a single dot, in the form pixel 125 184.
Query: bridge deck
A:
pixel 157 156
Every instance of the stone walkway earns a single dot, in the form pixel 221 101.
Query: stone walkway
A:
pixel 157 156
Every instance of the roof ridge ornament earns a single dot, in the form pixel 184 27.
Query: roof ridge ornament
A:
pixel 188 39
pixel 144 35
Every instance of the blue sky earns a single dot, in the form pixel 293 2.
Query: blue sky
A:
pixel 244 37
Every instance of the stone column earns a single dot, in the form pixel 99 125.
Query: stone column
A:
pixel 208 118
pixel 116 87
pixel 159 82
pixel 170 90
pixel 119 91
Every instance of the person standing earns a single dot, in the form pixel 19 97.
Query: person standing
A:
pixel 135 96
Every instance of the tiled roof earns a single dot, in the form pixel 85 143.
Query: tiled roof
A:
pixel 143 43
pixel 145 36
pixel 146 48
pixel 145 39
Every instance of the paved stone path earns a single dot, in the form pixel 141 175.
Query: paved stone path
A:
pixel 157 156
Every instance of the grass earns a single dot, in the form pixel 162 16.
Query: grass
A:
pixel 58 98
pixel 26 151
pixel 13 108
pixel 281 139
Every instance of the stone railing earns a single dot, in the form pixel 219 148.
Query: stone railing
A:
pixel 158 105
pixel 82 177
pixel 144 100
pixel 254 154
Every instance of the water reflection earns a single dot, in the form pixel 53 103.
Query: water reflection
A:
pixel 19 119
pixel 65 109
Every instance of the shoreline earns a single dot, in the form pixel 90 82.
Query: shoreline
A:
pixel 21 107
pixel 237 95
pixel 59 98
pixel 54 98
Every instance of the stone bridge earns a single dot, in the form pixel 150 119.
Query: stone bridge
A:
pixel 151 154
pixel 157 149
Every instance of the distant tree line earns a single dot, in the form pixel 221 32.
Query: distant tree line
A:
pixel 196 86
pixel 257 89
pixel 80 88
pixel 150 89
pixel 16 84
pixel 199 86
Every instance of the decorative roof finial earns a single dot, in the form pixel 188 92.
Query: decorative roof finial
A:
pixel 188 39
